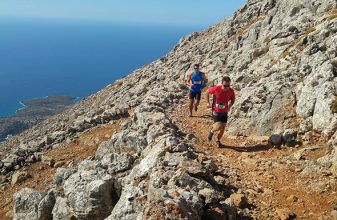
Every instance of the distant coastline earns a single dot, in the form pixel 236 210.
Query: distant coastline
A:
pixel 23 107
pixel 32 112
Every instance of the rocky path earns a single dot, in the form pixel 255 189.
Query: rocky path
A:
pixel 275 182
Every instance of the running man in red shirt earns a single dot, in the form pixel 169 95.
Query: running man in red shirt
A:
pixel 224 100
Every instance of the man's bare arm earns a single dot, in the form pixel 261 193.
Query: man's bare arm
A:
pixel 205 78
pixel 207 98
pixel 189 78
pixel 231 103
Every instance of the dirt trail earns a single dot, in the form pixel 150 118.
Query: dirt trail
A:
pixel 267 176
pixel 42 174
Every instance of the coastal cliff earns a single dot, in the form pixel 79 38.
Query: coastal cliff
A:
pixel 281 57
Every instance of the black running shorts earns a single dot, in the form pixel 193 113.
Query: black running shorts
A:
pixel 195 95
pixel 220 117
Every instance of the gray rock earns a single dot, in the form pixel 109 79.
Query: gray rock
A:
pixel 289 137
pixel 117 162
pixel 131 140
pixel 46 206
pixel 38 156
pixel 194 168
pixel 306 125
pixel 47 160
pixel 25 204
pixel 61 210
pixel 275 140
pixel 47 140
pixel 125 208
pixel 89 196
pixel 61 175
pixel 57 136
pixel 238 199
pixel 209 195
pixel 172 141
pixel 172 159
pixel 210 165
pixel 19 177
pixel 10 161
pixel 219 180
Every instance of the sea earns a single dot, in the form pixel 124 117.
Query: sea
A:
pixel 40 58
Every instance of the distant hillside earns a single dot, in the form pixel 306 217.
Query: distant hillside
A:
pixel 35 111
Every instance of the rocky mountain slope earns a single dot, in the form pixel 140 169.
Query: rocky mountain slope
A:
pixel 281 56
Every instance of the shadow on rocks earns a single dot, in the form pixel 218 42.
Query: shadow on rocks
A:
pixel 203 116
pixel 254 148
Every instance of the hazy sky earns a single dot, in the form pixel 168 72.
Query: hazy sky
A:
pixel 190 12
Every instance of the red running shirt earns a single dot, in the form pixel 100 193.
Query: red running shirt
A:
pixel 222 97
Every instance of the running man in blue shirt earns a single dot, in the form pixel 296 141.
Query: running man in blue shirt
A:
pixel 196 81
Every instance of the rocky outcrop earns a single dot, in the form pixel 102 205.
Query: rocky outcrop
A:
pixel 281 57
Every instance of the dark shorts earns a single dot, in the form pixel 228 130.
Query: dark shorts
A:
pixel 195 95
pixel 220 117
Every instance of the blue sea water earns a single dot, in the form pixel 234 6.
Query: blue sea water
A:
pixel 52 58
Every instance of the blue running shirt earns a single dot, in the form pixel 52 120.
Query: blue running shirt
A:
pixel 197 82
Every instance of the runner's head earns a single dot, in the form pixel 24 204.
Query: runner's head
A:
pixel 196 67
pixel 226 82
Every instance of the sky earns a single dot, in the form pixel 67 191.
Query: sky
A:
pixel 182 12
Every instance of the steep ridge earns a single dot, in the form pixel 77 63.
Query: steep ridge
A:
pixel 281 57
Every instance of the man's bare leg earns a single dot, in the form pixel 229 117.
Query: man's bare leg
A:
pixel 191 106
pixel 220 134
pixel 221 131
pixel 196 105
pixel 217 126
